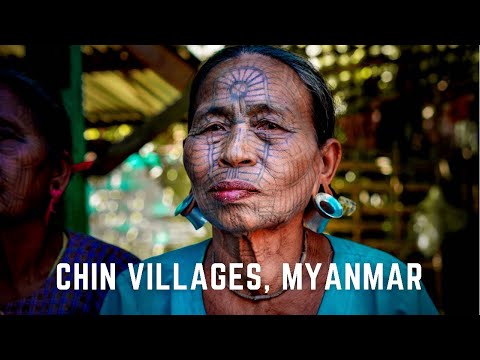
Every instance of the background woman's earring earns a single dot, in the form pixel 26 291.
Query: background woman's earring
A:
pixel 51 205
pixel 188 208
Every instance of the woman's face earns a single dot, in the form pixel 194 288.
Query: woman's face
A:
pixel 23 160
pixel 251 153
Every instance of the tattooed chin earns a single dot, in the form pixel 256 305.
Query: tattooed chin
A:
pixel 241 219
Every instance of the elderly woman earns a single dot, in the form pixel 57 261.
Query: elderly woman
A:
pixel 35 169
pixel 260 148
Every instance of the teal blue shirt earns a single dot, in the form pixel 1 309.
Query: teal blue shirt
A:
pixel 125 300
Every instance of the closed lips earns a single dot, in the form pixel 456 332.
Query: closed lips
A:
pixel 233 185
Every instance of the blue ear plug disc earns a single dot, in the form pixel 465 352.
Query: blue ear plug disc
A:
pixel 195 216
pixel 328 206
pixel 184 204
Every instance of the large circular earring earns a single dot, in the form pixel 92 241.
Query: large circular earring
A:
pixel 189 209
pixel 327 206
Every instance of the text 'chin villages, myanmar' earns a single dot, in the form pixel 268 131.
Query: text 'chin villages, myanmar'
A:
pixel 354 276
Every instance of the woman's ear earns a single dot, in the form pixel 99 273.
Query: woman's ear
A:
pixel 330 157
pixel 61 174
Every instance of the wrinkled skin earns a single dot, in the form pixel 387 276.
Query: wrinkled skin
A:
pixel 253 123
pixel 24 170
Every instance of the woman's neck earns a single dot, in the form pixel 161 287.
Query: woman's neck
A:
pixel 27 252
pixel 270 248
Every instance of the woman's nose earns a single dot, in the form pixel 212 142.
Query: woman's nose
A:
pixel 236 150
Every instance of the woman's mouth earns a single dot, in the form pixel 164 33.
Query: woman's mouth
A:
pixel 232 190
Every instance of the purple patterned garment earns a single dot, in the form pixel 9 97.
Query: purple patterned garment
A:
pixel 48 300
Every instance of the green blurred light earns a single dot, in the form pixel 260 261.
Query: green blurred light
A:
pixel 386 76
pixel 343 60
pixel 327 48
pixel 329 59
pixel 123 228
pixel 160 210
pixel 124 130
pixel 332 82
pixel 152 159
pixel 136 161
pixel 91 134
pixel 366 72
pixel 344 75
pixel 313 50
pixel 357 55
pixel 387 226
pixel 161 238
pixel 426 48
pixel 374 50
pixel 342 49
pixel 316 62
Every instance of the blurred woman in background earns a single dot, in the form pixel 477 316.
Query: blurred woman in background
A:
pixel 35 169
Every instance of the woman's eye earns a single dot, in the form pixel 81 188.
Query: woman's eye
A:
pixel 8 135
pixel 267 125
pixel 215 127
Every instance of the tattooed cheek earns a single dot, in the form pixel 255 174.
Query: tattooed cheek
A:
pixel 215 140
pixel 187 145
pixel 10 145
pixel 196 173
pixel 196 165
pixel 8 151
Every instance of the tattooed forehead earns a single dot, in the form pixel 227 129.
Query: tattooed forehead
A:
pixel 247 75
pixel 13 110
pixel 253 80
pixel 247 83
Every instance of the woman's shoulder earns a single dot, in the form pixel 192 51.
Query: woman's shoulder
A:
pixel 91 249
pixel 351 250
pixel 189 254
pixel 397 290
